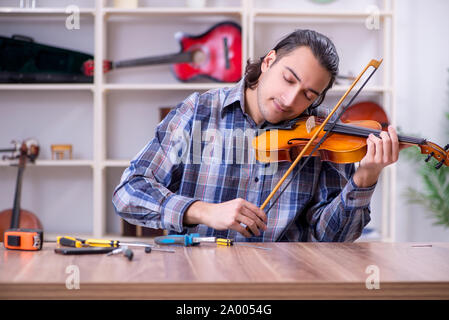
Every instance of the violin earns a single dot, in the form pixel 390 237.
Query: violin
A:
pixel 345 144
pixel 16 217
pixel 337 141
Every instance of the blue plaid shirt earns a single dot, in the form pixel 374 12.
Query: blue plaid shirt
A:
pixel 202 151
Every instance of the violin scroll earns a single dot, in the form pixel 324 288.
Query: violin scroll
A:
pixel 28 148
pixel 435 151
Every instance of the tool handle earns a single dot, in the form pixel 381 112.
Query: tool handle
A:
pixel 70 242
pixel 224 242
pixel 82 250
pixel 102 243
pixel 184 240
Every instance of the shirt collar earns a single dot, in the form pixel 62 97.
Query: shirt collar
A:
pixel 234 95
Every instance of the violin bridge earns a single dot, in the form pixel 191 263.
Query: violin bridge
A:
pixel 310 124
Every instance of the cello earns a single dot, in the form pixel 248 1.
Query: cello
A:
pixel 17 218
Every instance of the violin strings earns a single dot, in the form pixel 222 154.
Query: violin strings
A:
pixel 364 132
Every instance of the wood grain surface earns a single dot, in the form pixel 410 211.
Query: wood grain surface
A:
pixel 287 271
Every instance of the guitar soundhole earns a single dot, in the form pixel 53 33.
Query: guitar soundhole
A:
pixel 199 57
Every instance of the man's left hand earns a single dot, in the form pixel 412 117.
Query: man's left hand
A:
pixel 380 153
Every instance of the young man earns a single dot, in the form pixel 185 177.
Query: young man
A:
pixel 199 173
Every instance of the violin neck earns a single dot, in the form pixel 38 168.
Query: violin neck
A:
pixel 365 132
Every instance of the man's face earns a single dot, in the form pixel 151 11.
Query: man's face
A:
pixel 289 86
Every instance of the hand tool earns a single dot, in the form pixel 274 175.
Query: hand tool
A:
pixel 186 240
pixel 195 239
pixel 148 247
pixel 230 242
pixel 23 239
pixel 71 242
pixel 88 250
pixel 78 243
pixel 128 253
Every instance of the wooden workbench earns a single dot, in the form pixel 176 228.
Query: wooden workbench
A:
pixel 288 271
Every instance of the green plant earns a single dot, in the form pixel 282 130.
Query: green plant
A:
pixel 435 185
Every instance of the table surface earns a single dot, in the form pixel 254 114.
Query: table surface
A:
pixel 287 271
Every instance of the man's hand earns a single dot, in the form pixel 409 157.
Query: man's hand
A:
pixel 228 215
pixel 381 152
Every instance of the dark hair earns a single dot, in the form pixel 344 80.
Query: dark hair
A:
pixel 322 48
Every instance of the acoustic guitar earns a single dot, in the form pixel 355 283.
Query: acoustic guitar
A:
pixel 215 54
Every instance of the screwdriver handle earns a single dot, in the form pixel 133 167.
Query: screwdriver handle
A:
pixel 224 242
pixel 102 243
pixel 174 239
pixel 184 240
pixel 70 242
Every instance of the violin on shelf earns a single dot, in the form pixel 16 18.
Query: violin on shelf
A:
pixel 19 228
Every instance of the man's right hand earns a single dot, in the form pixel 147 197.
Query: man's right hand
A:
pixel 228 215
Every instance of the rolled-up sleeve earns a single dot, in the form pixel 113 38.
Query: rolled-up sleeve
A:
pixel 341 209
pixel 146 194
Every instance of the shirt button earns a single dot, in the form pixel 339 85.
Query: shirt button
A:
pixel 256 179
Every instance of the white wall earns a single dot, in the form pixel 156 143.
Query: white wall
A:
pixel 422 86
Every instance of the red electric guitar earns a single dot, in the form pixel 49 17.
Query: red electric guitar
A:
pixel 216 54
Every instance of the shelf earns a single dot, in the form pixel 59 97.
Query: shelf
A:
pixel 117 163
pixel 65 163
pixel 71 163
pixel 54 163
pixel 196 11
pixel 167 86
pixel 156 86
pixel 372 89
pixel 41 11
pixel 174 11
pixel 315 14
pixel 45 86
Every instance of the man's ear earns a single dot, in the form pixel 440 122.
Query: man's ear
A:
pixel 268 60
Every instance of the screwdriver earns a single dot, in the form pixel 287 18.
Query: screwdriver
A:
pixel 230 242
pixel 78 243
pixel 194 239
pixel 71 242
pixel 184 240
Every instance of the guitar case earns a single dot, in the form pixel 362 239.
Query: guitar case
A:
pixel 24 61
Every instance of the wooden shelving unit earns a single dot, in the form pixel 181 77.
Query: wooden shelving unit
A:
pixel 249 14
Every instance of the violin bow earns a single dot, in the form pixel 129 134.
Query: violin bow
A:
pixel 373 63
